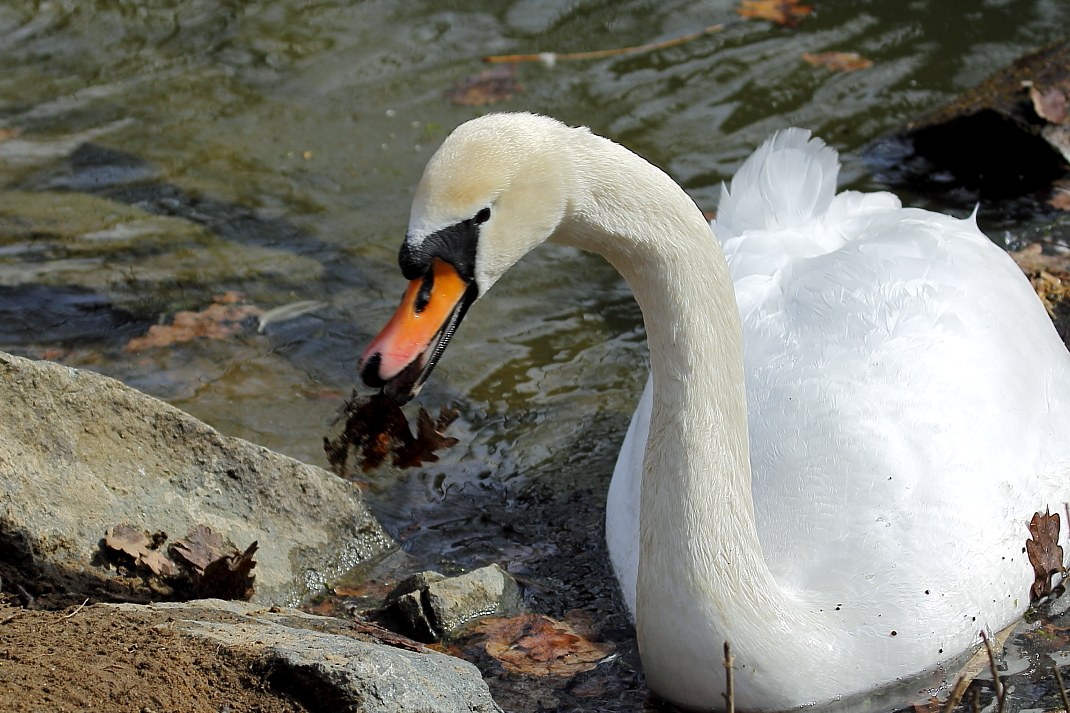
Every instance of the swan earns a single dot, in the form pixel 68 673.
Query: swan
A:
pixel 908 402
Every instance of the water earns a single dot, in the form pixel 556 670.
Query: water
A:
pixel 157 153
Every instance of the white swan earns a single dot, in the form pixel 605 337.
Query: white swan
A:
pixel 909 403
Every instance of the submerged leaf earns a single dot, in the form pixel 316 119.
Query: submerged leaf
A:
pixel 220 320
pixel 487 87
pixel 541 646
pixel 838 61
pixel 788 13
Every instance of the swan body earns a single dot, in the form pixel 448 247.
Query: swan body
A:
pixel 853 410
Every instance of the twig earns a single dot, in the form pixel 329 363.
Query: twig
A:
pixel 975 699
pixel 1000 691
pixel 551 57
pixel 80 606
pixel 1062 689
pixel 729 694
pixel 957 692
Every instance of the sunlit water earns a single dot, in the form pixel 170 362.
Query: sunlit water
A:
pixel 282 141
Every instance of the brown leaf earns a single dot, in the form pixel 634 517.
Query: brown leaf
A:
pixel 788 13
pixel 1060 198
pixel 376 429
pixel 487 87
pixel 429 438
pixel 140 546
pixel 540 646
pixel 1051 104
pixel 229 577
pixel 10 133
pixel 933 705
pixel 1045 553
pixel 200 548
pixel 838 61
pixel 220 320
pixel 1049 274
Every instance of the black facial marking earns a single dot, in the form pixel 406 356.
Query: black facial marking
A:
pixel 455 244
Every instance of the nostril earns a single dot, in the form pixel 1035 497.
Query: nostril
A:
pixel 369 372
pixel 423 295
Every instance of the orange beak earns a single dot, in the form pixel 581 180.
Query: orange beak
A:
pixel 402 356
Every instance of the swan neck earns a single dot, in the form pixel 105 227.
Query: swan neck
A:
pixel 696 490
pixel 702 577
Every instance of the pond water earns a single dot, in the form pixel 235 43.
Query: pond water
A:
pixel 155 154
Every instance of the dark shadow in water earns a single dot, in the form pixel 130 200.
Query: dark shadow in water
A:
pixel 43 314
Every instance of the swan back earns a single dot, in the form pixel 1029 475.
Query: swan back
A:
pixel 907 397
pixel 786 183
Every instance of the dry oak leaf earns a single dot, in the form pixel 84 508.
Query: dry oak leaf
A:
pixel 1049 274
pixel 200 548
pixel 1060 198
pixel 540 646
pixel 376 428
pixel 220 320
pixel 487 87
pixel 1045 553
pixel 838 61
pixel 1051 104
pixel 138 545
pixel 229 577
pixel 788 13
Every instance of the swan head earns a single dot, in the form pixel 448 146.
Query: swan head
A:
pixel 495 189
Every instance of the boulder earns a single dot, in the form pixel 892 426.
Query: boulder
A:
pixel 338 664
pixel 81 453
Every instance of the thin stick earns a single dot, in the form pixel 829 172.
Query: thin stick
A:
pixel 995 675
pixel 554 57
pixel 729 694
pixel 80 606
pixel 976 700
pixel 957 691
pixel 1062 689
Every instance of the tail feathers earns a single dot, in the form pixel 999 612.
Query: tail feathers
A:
pixel 788 181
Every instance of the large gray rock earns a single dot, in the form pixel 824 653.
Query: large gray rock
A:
pixel 80 452
pixel 347 670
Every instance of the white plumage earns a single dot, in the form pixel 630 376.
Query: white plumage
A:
pixel 908 410
pixel 849 422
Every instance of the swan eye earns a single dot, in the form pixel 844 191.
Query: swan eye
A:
pixel 482 216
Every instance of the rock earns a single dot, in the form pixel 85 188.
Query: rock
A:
pixel 1005 140
pixel 428 606
pixel 332 662
pixel 80 453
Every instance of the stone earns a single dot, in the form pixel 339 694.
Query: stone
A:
pixel 428 606
pixel 80 453
pixel 339 664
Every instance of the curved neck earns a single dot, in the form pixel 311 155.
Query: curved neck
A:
pixel 702 577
